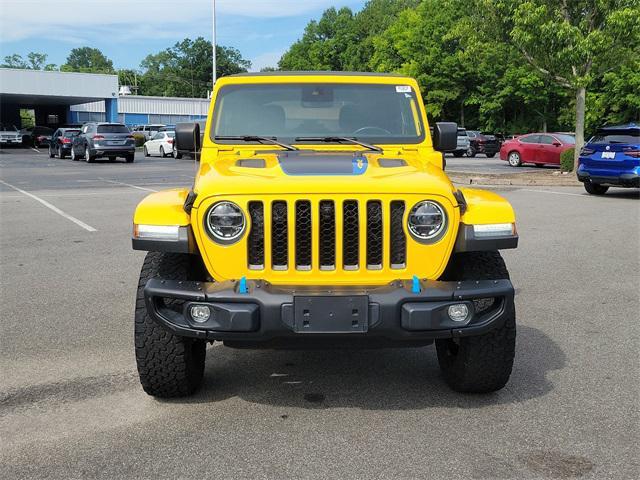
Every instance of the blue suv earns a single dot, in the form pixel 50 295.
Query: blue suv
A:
pixel 611 158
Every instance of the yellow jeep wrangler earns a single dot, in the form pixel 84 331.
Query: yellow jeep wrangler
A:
pixel 321 217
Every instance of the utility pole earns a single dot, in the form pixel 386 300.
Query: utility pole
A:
pixel 214 43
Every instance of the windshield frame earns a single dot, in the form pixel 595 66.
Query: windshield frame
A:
pixel 416 108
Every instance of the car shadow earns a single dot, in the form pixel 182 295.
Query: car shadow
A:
pixel 613 192
pixel 386 379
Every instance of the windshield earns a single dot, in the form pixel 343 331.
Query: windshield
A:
pixel 370 113
pixel 6 127
pixel 112 129
pixel 71 133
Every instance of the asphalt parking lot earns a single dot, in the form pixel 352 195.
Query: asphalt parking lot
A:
pixel 71 405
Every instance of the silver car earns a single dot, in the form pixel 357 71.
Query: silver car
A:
pixel 99 140
pixel 463 143
pixel 9 134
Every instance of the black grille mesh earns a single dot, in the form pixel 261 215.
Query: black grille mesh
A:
pixel 374 233
pixel 255 242
pixel 303 234
pixel 327 234
pixel 398 241
pixel 279 235
pixel 350 234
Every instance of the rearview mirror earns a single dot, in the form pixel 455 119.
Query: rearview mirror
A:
pixel 187 138
pixel 445 136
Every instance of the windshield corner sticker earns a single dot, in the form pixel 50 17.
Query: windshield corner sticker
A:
pixel 359 165
pixel 403 89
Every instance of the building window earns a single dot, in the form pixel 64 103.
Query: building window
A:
pixel 52 119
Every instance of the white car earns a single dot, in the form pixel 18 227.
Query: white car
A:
pixel 148 131
pixel 9 135
pixel 160 144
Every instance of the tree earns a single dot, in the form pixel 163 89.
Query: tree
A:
pixel 34 61
pixel 87 60
pixel 572 42
pixel 184 70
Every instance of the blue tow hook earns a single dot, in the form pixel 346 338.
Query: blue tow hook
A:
pixel 415 285
pixel 242 286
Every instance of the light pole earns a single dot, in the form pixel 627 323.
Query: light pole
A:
pixel 214 44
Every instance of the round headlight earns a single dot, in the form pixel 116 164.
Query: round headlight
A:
pixel 427 221
pixel 225 222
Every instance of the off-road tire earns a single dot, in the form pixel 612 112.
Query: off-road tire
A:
pixel 482 363
pixel 168 365
pixel 594 188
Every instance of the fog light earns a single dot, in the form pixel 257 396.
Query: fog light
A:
pixel 200 313
pixel 458 312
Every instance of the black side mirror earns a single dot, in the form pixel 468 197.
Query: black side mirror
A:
pixel 445 136
pixel 187 138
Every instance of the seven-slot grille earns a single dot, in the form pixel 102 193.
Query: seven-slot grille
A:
pixel 318 229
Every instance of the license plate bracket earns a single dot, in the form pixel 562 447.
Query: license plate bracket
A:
pixel 331 314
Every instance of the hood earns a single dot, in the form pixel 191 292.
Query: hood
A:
pixel 308 172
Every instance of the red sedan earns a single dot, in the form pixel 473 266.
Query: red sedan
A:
pixel 537 148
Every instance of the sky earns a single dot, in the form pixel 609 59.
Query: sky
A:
pixel 126 31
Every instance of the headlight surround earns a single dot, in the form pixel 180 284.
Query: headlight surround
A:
pixel 427 221
pixel 225 222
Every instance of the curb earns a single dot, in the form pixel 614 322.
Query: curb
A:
pixel 568 180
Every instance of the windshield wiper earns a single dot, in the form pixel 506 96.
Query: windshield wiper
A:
pixel 339 139
pixel 257 138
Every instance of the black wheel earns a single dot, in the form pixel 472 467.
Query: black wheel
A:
pixel 168 365
pixel 490 155
pixel 482 363
pixel 471 152
pixel 177 155
pixel 514 159
pixel 162 154
pixel 74 157
pixel 60 154
pixel 51 154
pixel 129 158
pixel 594 188
pixel 145 151
pixel 458 153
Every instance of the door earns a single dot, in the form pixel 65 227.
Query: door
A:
pixel 155 143
pixel 529 147
pixel 549 150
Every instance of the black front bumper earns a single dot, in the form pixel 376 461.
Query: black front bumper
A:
pixel 395 314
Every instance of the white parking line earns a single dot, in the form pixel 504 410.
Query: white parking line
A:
pixel 80 223
pixel 556 193
pixel 128 185
pixel 35 149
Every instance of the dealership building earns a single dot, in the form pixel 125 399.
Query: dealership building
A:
pixel 64 97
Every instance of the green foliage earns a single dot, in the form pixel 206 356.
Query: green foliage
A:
pixel 139 138
pixel 184 70
pixel 499 65
pixel 34 61
pixel 87 60
pixel 566 160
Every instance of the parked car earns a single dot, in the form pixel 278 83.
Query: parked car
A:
pixel 99 140
pixel 160 144
pixel 9 134
pixel 179 151
pixel 482 143
pixel 36 136
pixel 148 130
pixel 611 158
pixel 318 240
pixel 537 148
pixel 463 143
pixel 61 140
